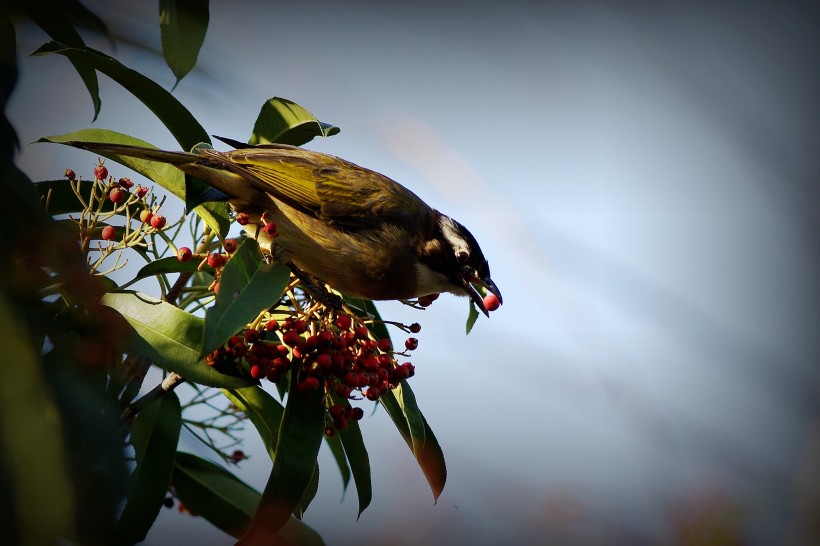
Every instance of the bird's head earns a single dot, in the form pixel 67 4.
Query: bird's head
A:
pixel 454 253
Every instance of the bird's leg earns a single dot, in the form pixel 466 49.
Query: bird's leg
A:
pixel 318 293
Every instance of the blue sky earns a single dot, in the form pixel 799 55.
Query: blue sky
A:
pixel 643 183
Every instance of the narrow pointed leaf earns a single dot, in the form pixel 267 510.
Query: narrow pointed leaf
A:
pixel 183 24
pixel 169 337
pixel 167 176
pixel 154 435
pixel 163 266
pixel 337 449
pixel 400 404
pixel 471 317
pixel 356 454
pixel 214 493
pixel 55 23
pixel 309 494
pixel 179 121
pixel 300 437
pixel 285 122
pixel 247 286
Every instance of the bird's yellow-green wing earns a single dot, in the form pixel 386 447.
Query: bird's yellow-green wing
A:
pixel 324 185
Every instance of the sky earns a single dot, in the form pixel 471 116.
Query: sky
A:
pixel 643 181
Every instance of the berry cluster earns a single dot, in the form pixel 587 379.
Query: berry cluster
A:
pixel 334 352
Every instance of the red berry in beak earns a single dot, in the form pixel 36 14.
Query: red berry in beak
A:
pixel 491 302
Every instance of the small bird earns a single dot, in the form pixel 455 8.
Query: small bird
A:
pixel 355 229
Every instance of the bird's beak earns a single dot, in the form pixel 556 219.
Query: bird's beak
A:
pixel 476 296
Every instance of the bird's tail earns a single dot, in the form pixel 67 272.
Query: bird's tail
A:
pixel 140 152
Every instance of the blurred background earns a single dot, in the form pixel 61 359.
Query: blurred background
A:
pixel 643 180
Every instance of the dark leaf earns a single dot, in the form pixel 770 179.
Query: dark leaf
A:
pixel 53 19
pixel 212 492
pixel 400 404
pixel 285 122
pixel 359 462
pixel 183 24
pixel 300 437
pixel 337 449
pixel 154 435
pixel 182 124
pixel 170 337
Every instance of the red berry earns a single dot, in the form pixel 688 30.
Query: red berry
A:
pixel 243 219
pixel 70 175
pixel 324 361
pixel 108 233
pixel 270 229
pixel 385 345
pixel 415 328
pixel 272 325
pixel 491 302
pixel 125 183
pixel 426 301
pixel 356 413
pixel 142 191
pixel 337 410
pixel 230 246
pixel 343 322
pixel 308 384
pixel 291 338
pixel 145 216
pixel 251 335
pixel 330 432
pixel 216 260
pixel 216 288
pixel 408 369
pixel 117 195
pixel 361 332
pixel 343 390
pixel 301 326
pixel 373 393
pixel 257 372
pixel 411 343
pixel 158 221
pixel 100 172
pixel 352 380
pixel 238 455
pixel 184 254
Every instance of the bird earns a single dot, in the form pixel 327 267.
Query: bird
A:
pixel 359 231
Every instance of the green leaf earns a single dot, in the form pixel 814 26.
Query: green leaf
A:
pixel 170 337
pixel 171 264
pixel 183 24
pixel 472 317
pixel 337 449
pixel 359 462
pixel 182 124
pixel 400 404
pixel 247 286
pixel 167 176
pixel 54 21
pixel 310 492
pixel 227 502
pixel 300 437
pixel 285 122
pixel 263 410
pixel 154 436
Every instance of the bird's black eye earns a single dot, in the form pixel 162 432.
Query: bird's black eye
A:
pixel 462 257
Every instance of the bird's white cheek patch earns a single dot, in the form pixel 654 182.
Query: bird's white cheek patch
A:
pixel 431 282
